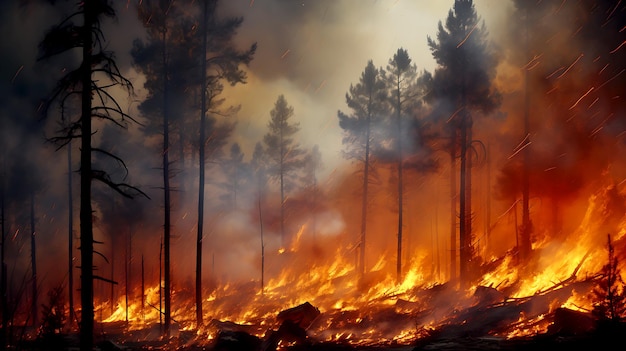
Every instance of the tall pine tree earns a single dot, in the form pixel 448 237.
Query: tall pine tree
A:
pixel 367 102
pixel 284 153
pixel 463 84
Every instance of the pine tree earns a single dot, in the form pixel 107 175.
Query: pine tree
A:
pixel 312 165
pixel 463 80
pixel 610 293
pixel 402 76
pixel 284 153
pixel 234 169
pixel 367 100
pixel 258 168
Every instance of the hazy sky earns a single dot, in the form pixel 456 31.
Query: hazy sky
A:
pixel 311 51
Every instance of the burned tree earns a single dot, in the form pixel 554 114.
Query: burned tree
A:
pixel 234 169
pixel 258 168
pixel 402 80
pixel 463 85
pixel 96 103
pixel 610 292
pixel 312 165
pixel 367 100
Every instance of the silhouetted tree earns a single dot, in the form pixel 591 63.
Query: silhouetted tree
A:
pixel 367 101
pixel 610 293
pixel 402 81
pixel 34 311
pixel 258 167
pixel 220 61
pixel 284 154
pixel 313 164
pixel 89 37
pixel 234 169
pixel 154 60
pixel 462 81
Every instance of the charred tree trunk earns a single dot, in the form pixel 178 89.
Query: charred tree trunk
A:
pixel 282 189
pixel 166 193
pixel 201 170
pixel 400 185
pixel 3 280
pixel 126 262
pixel 526 247
pixel 366 169
pixel 112 277
pixel 488 198
pixel 161 285
pixel 33 262
pixel 70 235
pixel 262 248
pixel 468 205
pixel 463 206
pixel 143 289
pixel 453 195
pixel 86 221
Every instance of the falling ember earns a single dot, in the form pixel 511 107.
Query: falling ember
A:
pixel 17 73
pixel 582 97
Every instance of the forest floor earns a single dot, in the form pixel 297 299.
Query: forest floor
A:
pixel 609 339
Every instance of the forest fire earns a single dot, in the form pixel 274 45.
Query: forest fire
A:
pixel 375 309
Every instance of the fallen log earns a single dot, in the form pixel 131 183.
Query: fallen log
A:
pixel 570 322
pixel 302 315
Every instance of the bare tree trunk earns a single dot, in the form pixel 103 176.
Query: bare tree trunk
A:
pixel 86 222
pixel 113 249
pixel 488 198
pixel 262 248
pixel 33 262
pixel 3 280
pixel 126 262
pixel 400 185
pixel 364 204
pixel 282 190
pixel 526 248
pixel 143 289
pixel 166 194
pixel 463 208
pixel 453 195
pixel 202 142
pixel 70 234
pixel 161 285
pixel 468 194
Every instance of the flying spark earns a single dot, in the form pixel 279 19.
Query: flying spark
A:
pixel 582 97
pixel 16 73
pixel 619 47
pixel 467 36
pixel 570 66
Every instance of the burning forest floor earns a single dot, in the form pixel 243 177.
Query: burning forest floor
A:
pixel 428 321
pixel 568 295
